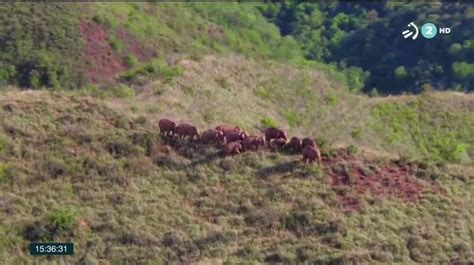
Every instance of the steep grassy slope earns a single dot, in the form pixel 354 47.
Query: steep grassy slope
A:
pixel 306 101
pixel 75 169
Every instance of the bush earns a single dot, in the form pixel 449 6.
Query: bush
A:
pixel 3 144
pixel 92 90
pixel 122 91
pixel 331 99
pixel 42 47
pixel 269 122
pixel 4 172
pixel 154 69
pixel 121 147
pixel 352 149
pixel 63 219
pixel 356 134
pixel 131 61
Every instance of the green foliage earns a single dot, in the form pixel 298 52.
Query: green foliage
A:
pixel 356 78
pixel 402 122
pixel 131 61
pixel 463 72
pixel 331 99
pixel 122 91
pixel 293 118
pixel 152 70
pixel 4 172
pixel 269 122
pixel 175 201
pixel 356 34
pixel 247 32
pixel 92 90
pixel 41 45
pixel 352 149
pixel 63 219
pixel 115 43
pixel 356 134
pixel 400 72
pixel 3 144
pixel 374 93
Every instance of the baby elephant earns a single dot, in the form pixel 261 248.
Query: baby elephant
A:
pixel 253 142
pixel 310 154
pixel 294 145
pixel 232 148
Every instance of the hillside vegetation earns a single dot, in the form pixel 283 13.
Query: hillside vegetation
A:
pixel 88 166
pixel 95 172
pixel 75 169
pixel 433 126
pixel 68 45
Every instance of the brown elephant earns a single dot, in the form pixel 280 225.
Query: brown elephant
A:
pixel 274 133
pixel 184 130
pixel 225 127
pixel 277 144
pixel 253 142
pixel 310 154
pixel 167 127
pixel 234 135
pixel 232 148
pixel 294 145
pixel 308 142
pixel 212 136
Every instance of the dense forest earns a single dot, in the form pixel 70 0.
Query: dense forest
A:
pixel 367 35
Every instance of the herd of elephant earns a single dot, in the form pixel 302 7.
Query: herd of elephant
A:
pixel 233 140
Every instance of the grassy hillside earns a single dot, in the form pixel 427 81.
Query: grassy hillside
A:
pixel 88 165
pixel 68 45
pixel 75 169
pixel 308 101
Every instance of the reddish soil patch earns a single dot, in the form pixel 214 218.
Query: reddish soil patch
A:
pixel 380 179
pixel 102 64
pixel 132 45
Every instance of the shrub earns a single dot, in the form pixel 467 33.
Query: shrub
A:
pixel 352 149
pixel 122 91
pixel 92 90
pixel 121 147
pixel 331 99
pixel 131 61
pixel 3 144
pixel 154 69
pixel 374 93
pixel 4 172
pixel 63 219
pixel 269 122
pixel 115 43
pixel 43 47
pixel 356 134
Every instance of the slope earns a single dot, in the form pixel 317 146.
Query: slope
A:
pixel 76 168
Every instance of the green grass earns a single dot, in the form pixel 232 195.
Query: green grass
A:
pixel 439 135
pixel 151 204
pixel 94 156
